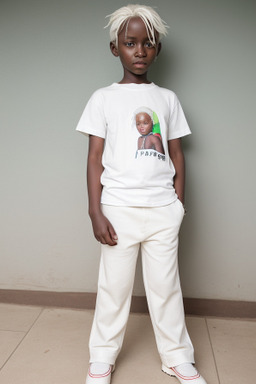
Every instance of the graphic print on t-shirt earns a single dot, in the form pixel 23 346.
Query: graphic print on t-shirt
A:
pixel 150 141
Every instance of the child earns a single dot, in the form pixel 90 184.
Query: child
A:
pixel 136 202
pixel 144 123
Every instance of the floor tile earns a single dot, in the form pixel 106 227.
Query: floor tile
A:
pixel 8 342
pixel 139 361
pixel 54 351
pixel 17 317
pixel 234 345
pixel 204 357
pixel 50 346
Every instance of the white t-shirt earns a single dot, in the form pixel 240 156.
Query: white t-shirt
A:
pixel 137 168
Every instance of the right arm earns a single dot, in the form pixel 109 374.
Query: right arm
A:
pixel 102 228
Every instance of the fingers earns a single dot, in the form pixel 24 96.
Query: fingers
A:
pixel 108 237
pixel 104 231
pixel 113 234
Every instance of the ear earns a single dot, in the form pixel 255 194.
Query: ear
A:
pixel 159 47
pixel 113 49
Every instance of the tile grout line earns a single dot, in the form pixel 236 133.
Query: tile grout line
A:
pixel 214 358
pixel 21 341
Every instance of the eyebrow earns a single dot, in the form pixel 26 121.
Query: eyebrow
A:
pixel 130 37
pixel 135 38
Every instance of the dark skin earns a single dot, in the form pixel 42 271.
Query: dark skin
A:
pixel 136 54
pixel 151 142
pixel 135 51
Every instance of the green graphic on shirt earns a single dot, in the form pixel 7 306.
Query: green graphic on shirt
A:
pixel 148 126
pixel 156 126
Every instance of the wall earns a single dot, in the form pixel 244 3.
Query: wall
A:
pixel 54 54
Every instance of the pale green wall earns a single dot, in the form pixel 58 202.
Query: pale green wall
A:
pixel 53 55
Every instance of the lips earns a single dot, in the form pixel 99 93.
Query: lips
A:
pixel 140 63
pixel 142 131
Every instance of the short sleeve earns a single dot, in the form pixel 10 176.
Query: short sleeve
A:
pixel 178 126
pixel 92 121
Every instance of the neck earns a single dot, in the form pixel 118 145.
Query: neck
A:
pixel 132 78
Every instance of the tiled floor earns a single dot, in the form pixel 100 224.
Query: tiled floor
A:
pixel 49 346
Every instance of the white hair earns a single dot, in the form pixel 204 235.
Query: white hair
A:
pixel 146 110
pixel 149 16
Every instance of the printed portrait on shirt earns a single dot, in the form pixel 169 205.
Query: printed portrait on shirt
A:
pixel 150 140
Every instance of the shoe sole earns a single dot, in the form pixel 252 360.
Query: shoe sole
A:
pixel 171 373
pixel 168 371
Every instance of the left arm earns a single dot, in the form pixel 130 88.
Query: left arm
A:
pixel 177 157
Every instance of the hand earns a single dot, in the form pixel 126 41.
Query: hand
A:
pixel 181 200
pixel 103 230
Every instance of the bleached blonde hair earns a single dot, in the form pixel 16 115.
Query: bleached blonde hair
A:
pixel 146 110
pixel 149 16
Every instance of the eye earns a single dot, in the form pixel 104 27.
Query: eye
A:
pixel 129 44
pixel 148 44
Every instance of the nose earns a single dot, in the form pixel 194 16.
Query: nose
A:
pixel 141 52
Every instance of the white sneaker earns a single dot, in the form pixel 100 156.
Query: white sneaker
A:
pixel 99 373
pixel 186 374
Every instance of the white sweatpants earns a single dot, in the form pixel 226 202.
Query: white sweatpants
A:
pixel 156 231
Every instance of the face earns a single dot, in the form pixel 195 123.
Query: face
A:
pixel 134 48
pixel 144 123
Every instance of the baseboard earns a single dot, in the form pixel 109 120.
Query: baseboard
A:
pixel 80 300
pixel 220 308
